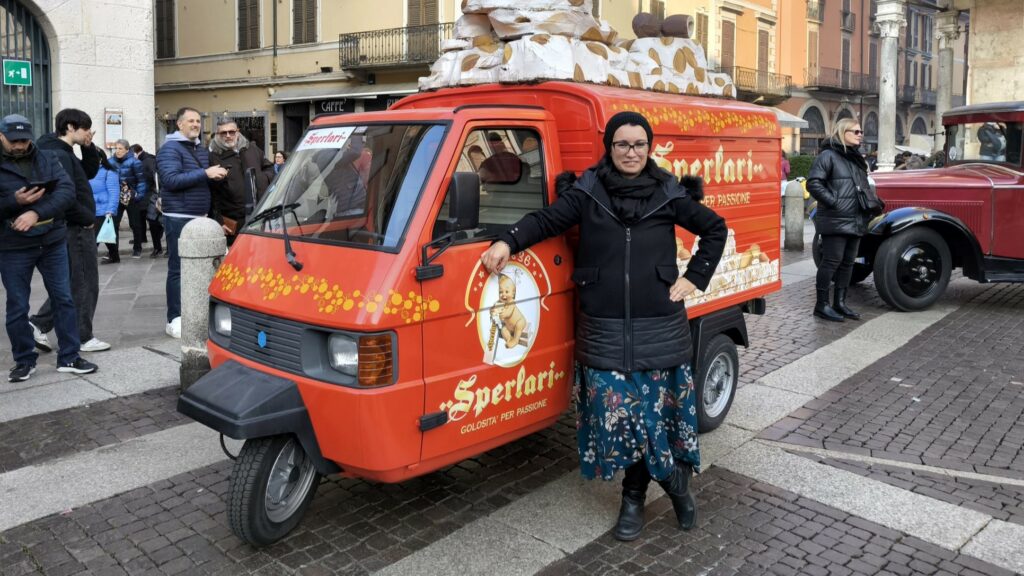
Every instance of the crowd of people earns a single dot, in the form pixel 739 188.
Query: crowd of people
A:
pixel 60 193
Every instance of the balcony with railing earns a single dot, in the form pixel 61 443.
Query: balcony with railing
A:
pixel 393 47
pixel 924 97
pixel 957 100
pixel 766 87
pixel 816 10
pixel 847 21
pixel 836 80
pixel 906 94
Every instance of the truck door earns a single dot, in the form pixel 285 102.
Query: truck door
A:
pixel 498 350
pixel 1008 197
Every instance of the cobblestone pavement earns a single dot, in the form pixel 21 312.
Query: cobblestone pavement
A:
pixel 754 529
pixel 953 398
pixel 179 526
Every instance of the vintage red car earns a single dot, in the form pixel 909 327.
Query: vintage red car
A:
pixel 967 215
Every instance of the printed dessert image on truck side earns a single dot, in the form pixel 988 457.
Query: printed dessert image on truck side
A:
pixel 352 328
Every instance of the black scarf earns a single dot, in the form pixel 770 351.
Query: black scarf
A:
pixel 849 152
pixel 629 196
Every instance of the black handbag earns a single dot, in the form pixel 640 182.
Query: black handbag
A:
pixel 869 201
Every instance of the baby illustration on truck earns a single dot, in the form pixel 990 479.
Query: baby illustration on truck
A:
pixel 506 316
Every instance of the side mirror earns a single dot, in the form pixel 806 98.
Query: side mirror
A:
pixel 464 204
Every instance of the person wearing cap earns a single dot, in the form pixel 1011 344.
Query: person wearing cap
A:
pixel 73 127
pixel 635 399
pixel 183 166
pixel 33 236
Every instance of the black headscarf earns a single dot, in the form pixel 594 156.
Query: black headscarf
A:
pixel 629 196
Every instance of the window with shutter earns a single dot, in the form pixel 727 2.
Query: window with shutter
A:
pixel 812 56
pixel 873 59
pixel 165 20
pixel 303 21
pixel 702 31
pixel 658 9
pixel 248 24
pixel 597 9
pixel 422 12
pixel 728 43
pixel 762 51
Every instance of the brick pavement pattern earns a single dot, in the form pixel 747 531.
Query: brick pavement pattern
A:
pixel 951 398
pixel 1001 501
pixel 749 528
pixel 46 436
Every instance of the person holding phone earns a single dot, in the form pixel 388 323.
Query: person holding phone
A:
pixel 33 236
pixel 231 150
pixel 73 127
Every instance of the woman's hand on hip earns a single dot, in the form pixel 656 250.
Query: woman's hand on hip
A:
pixel 495 257
pixel 681 289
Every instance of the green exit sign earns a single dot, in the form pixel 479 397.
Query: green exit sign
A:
pixel 17 73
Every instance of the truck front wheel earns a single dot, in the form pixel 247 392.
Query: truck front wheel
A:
pixel 912 269
pixel 272 483
pixel 715 382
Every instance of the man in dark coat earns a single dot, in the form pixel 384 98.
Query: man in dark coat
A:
pixel 33 236
pixel 183 166
pixel 73 128
pixel 234 152
pixel 156 229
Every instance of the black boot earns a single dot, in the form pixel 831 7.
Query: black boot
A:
pixel 823 310
pixel 634 494
pixel 839 305
pixel 677 486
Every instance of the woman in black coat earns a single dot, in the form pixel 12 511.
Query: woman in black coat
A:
pixel 636 405
pixel 838 180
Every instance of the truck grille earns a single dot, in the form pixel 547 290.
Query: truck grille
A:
pixel 282 339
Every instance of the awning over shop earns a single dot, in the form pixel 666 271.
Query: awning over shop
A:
pixel 360 91
pixel 787 120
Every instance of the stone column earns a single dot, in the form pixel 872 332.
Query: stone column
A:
pixel 946 31
pixel 889 20
pixel 202 247
pixel 794 215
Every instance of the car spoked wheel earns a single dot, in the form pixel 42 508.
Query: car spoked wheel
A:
pixel 716 382
pixel 271 486
pixel 912 269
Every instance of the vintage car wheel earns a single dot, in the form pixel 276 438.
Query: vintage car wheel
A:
pixel 861 268
pixel 912 269
pixel 272 483
pixel 715 382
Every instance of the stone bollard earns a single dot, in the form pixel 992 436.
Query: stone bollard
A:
pixel 202 247
pixel 794 215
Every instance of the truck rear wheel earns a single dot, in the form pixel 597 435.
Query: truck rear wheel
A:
pixel 861 267
pixel 715 382
pixel 912 269
pixel 272 483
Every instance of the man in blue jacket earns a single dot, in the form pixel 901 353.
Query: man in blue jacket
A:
pixel 183 165
pixel 32 236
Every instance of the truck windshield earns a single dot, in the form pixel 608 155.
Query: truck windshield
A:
pixel 351 184
pixel 985 142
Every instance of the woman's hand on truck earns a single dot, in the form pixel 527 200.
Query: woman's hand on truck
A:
pixel 681 289
pixel 495 258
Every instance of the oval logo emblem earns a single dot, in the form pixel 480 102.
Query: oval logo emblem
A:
pixel 261 339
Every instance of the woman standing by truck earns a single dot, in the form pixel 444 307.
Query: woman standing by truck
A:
pixel 634 385
pixel 838 180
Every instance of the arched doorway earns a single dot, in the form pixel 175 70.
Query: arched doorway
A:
pixel 899 130
pixel 811 136
pixel 919 127
pixel 844 113
pixel 23 40
pixel 871 131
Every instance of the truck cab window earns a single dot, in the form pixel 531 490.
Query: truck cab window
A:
pixel 510 164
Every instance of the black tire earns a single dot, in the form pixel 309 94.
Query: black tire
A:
pixel 715 382
pixel 912 269
pixel 861 270
pixel 254 516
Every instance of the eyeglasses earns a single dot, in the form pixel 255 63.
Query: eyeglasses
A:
pixel 623 147
pixel 227 132
pixel 856 132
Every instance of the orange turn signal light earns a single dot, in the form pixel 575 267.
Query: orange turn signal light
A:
pixel 376 360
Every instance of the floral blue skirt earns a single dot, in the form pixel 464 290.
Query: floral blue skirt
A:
pixel 621 418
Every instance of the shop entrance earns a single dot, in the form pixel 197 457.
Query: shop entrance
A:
pixel 24 40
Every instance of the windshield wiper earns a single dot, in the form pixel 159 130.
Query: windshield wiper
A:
pixel 274 211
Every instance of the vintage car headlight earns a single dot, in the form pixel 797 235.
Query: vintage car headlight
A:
pixel 222 319
pixel 343 352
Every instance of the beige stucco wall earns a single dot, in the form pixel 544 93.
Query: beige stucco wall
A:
pixel 102 57
pixel 997 54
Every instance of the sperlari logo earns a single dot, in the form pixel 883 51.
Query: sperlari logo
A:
pixel 325 138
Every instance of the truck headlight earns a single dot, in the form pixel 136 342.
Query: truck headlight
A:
pixel 222 320
pixel 343 352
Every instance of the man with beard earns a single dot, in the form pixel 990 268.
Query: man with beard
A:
pixel 73 128
pixel 231 150
pixel 33 236
pixel 183 166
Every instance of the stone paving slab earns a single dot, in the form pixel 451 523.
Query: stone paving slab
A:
pixel 133 370
pixel 48 397
pixel 750 528
pixel 1001 543
pixel 937 522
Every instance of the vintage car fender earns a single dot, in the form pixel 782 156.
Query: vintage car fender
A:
pixel 962 243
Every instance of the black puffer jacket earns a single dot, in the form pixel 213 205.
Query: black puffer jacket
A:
pixel 623 272
pixel 837 177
